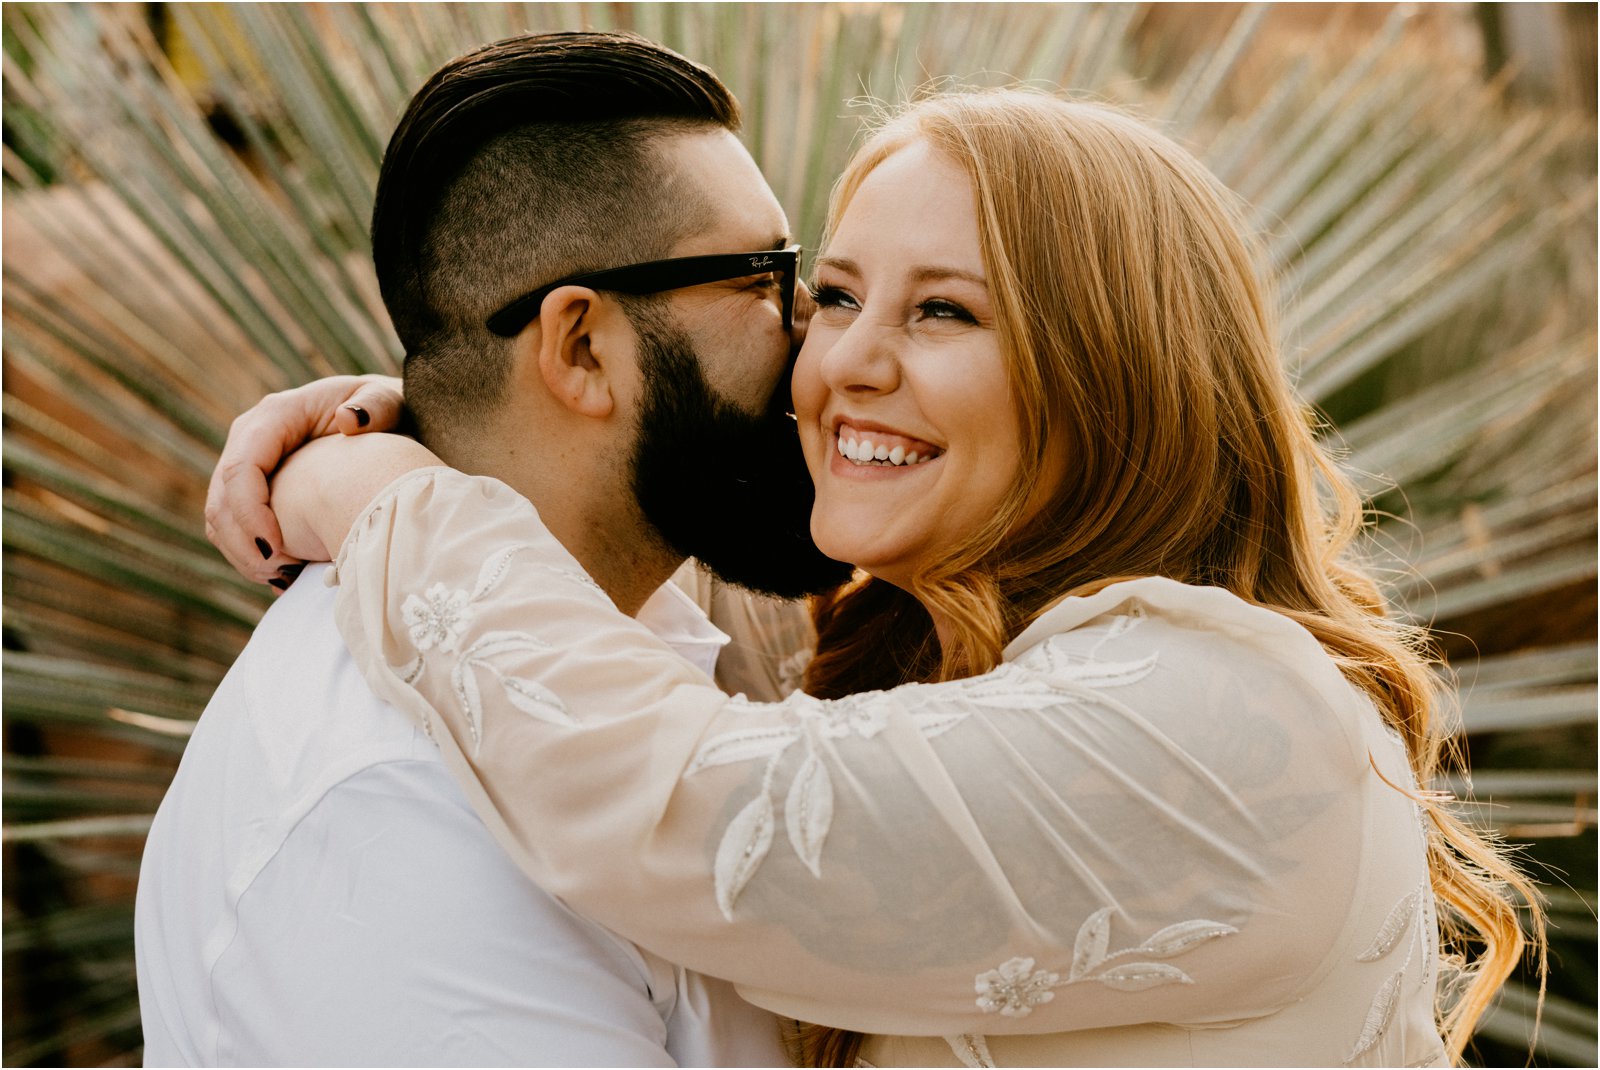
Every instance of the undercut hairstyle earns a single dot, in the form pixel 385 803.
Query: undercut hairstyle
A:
pixel 520 163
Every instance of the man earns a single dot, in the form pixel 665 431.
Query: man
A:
pixel 315 888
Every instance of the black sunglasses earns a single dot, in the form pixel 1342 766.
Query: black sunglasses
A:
pixel 659 275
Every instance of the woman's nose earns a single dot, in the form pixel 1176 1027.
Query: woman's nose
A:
pixel 865 359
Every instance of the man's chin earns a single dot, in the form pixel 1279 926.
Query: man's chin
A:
pixel 750 530
pixel 774 565
pixel 748 521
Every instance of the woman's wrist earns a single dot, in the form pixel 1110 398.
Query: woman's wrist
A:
pixel 324 486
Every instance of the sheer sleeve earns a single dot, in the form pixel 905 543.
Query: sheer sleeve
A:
pixel 1149 813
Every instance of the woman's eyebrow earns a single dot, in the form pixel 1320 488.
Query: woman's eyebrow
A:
pixel 920 274
pixel 926 274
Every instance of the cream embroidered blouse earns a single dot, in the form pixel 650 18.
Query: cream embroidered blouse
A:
pixel 1158 834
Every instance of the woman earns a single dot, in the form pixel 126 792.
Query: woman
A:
pixel 1114 757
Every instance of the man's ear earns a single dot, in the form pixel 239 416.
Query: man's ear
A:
pixel 578 339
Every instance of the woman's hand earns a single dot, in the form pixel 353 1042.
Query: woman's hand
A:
pixel 325 485
pixel 239 520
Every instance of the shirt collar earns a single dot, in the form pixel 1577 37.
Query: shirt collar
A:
pixel 677 620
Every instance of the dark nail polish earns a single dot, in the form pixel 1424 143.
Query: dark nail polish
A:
pixel 289 572
pixel 265 548
pixel 282 585
pixel 363 418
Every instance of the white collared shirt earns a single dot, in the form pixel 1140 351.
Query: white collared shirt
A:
pixel 316 890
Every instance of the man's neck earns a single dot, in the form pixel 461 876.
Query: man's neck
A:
pixel 598 523
pixel 629 566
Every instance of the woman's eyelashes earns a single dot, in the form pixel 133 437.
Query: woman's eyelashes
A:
pixel 935 308
pixel 831 297
pixel 940 309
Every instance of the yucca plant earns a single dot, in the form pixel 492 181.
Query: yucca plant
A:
pixel 187 193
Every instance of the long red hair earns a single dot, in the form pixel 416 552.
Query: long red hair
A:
pixel 1142 347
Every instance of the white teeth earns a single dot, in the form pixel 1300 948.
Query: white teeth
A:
pixel 865 452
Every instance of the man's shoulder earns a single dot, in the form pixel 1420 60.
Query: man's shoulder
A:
pixel 297 699
pixel 292 719
pixel 293 734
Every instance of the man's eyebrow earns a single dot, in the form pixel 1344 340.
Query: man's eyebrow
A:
pixel 781 244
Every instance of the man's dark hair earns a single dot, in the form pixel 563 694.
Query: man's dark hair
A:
pixel 523 162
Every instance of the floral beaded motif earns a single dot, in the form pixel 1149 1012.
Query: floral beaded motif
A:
pixel 437 618
pixel 1016 988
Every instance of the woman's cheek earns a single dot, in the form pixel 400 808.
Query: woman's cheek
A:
pixel 806 386
pixel 809 391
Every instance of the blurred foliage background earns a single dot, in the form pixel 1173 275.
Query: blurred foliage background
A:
pixel 187 190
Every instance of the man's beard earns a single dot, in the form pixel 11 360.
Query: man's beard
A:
pixel 723 485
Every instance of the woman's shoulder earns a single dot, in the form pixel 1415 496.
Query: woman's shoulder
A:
pixel 1177 619
pixel 1209 614
pixel 1158 666
pixel 1196 649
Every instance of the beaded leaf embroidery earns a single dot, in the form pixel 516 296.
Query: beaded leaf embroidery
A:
pixel 1016 987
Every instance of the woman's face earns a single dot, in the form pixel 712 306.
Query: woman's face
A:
pixel 900 390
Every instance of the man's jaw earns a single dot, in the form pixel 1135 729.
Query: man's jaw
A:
pixel 724 485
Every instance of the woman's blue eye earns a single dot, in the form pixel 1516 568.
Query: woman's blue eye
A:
pixel 946 310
